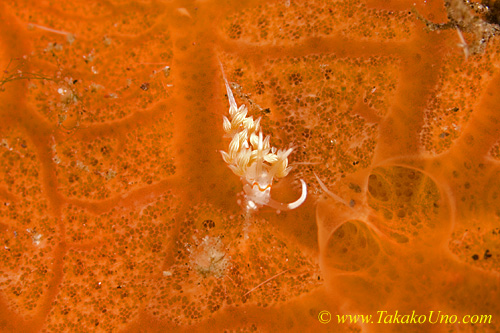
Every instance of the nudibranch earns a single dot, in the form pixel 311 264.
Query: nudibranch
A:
pixel 251 157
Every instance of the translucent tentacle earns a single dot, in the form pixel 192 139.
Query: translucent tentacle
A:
pixel 330 193
pixel 232 101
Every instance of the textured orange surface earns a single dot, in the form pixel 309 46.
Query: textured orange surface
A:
pixel 118 213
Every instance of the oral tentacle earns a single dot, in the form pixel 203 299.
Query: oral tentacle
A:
pixel 292 205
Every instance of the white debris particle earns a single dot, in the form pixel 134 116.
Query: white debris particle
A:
pixel 36 237
pixel 107 41
pixel 110 174
pixel 70 38
pixel 209 258
pixel 166 71
pixel 5 144
pixel 183 12
pixel 81 166
pixel 94 87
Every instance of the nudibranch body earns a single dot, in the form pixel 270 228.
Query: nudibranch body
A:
pixel 251 157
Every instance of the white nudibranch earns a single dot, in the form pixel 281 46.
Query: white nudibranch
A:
pixel 251 157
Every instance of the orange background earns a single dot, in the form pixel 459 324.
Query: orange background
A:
pixel 117 212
